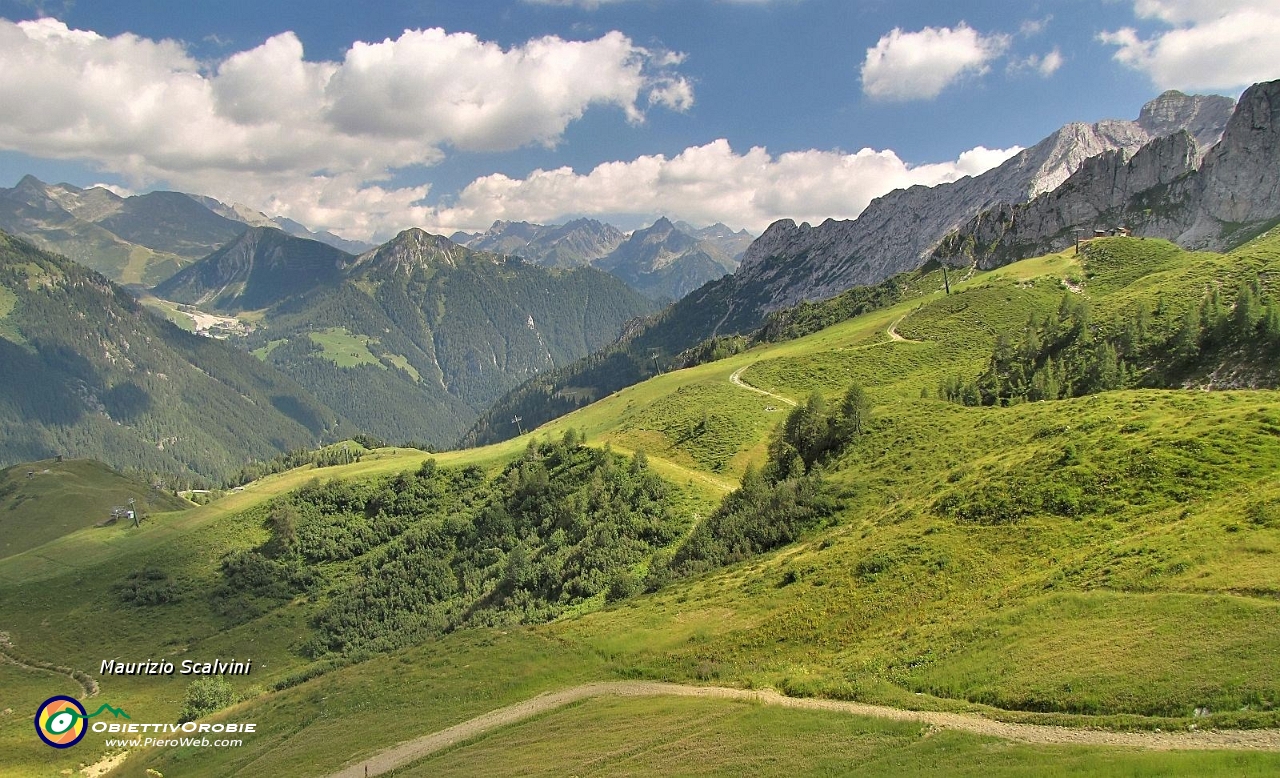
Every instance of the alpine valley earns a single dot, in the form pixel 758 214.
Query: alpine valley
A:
pixel 982 482
pixel 412 339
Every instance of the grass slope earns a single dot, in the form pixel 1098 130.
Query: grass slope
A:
pixel 40 501
pixel 1107 560
pixel 665 736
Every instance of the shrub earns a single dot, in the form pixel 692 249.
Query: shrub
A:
pixel 206 695
pixel 148 586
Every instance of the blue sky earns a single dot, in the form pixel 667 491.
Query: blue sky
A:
pixel 369 118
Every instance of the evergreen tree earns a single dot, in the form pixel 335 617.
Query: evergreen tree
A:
pixel 1186 343
pixel 1248 310
pixel 1213 319
pixel 1271 323
pixel 855 411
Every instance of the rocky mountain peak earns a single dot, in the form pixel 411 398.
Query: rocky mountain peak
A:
pixel 1201 115
pixel 1169 189
pixel 662 227
pixel 520 229
pixel 772 242
pixel 664 261
pixel 1054 159
pixel 900 230
pixel 30 183
pixel 412 248
pixel 662 235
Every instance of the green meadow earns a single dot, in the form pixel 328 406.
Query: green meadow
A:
pixel 1110 560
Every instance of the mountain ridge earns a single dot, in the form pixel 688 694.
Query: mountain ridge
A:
pixel 88 372
pixel 898 231
pixel 789 264
pixel 687 258
pixel 413 338
pixel 1169 189
pixel 664 262
pixel 140 239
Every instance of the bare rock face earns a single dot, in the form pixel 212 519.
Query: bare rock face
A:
pixel 1239 182
pixel 1169 189
pixel 1100 195
pixel 1200 115
pixel 900 231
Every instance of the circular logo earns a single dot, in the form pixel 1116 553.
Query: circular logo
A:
pixel 60 721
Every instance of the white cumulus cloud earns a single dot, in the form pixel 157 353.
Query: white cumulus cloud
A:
pixel 1211 44
pixel 266 121
pixel 919 65
pixel 1044 64
pixel 706 184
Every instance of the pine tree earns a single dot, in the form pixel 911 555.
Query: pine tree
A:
pixel 1213 319
pixel 855 411
pixel 1248 310
pixel 1186 343
pixel 1271 323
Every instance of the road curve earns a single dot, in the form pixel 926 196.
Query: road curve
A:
pixel 892 332
pixel 9 654
pixel 736 379
pixel 413 750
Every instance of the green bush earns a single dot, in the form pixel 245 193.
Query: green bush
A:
pixel 149 586
pixel 206 695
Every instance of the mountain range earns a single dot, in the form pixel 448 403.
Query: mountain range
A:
pixel 790 265
pixel 140 239
pixel 86 371
pixel 410 340
pixel 578 243
pixel 414 339
pixel 664 261
pixel 1169 189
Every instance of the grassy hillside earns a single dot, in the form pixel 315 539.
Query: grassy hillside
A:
pixel 711 737
pixel 1105 560
pixel 40 501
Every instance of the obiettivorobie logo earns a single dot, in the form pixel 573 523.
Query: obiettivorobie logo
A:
pixel 61 721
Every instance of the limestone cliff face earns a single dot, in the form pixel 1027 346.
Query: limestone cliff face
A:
pixel 792 263
pixel 1100 195
pixel 1169 189
pixel 1200 115
pixel 1238 186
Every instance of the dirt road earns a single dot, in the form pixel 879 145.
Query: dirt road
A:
pixel 9 654
pixel 413 750
pixel 892 332
pixel 736 380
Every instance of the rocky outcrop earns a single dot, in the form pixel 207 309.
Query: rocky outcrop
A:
pixel 1100 195
pixel 792 263
pixel 1238 188
pixel 1167 190
pixel 1200 115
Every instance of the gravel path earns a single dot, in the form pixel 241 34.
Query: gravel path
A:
pixel 9 654
pixel 413 750
pixel 893 331
pixel 736 380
